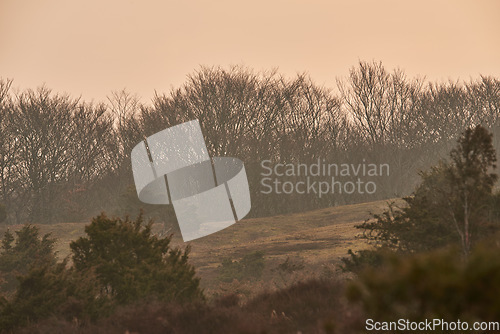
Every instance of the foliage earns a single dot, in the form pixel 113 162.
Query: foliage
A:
pixel 357 262
pixel 454 204
pixel 118 262
pixel 435 285
pixel 315 306
pixel 471 178
pixel 37 286
pixel 132 264
pixel 129 202
pixel 250 267
pixel 22 253
pixel 54 291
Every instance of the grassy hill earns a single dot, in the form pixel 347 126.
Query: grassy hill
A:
pixel 316 239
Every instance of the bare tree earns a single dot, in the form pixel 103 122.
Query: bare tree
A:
pixel 386 111
pixel 7 146
pixel 60 146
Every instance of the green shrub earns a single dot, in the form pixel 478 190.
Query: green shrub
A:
pixel 453 205
pixel 132 264
pixel 54 291
pixel 438 285
pixel 117 263
pixel 19 254
pixel 314 306
pixel 360 260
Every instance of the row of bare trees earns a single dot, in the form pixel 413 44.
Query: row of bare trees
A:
pixel 63 159
pixel 53 149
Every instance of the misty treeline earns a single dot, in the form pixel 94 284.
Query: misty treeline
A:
pixel 64 159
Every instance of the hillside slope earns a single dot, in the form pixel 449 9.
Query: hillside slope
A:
pixel 316 238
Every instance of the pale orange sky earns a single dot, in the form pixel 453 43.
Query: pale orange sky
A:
pixel 91 48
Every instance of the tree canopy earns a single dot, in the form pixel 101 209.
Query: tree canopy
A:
pixel 454 203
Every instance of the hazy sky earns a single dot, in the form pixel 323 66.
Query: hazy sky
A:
pixel 91 47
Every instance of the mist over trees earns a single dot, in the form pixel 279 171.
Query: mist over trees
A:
pixel 453 205
pixel 63 159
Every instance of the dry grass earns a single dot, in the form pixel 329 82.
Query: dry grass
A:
pixel 319 238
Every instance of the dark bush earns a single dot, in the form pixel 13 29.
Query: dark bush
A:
pixel 119 262
pixel 19 254
pixel 54 291
pixel 360 260
pixel 316 306
pixel 453 205
pixel 131 263
pixel 433 285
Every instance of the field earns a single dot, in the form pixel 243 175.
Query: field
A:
pixel 317 239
